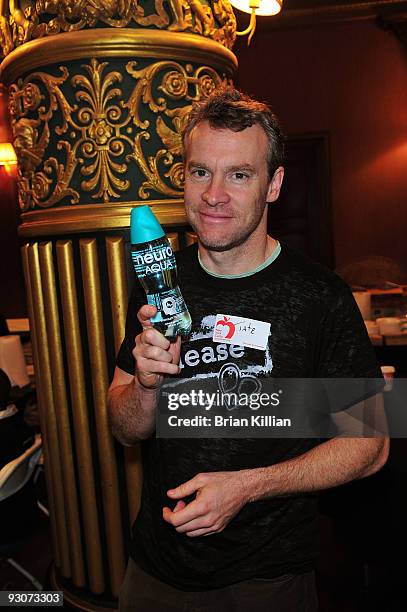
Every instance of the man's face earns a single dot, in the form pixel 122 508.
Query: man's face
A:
pixel 227 185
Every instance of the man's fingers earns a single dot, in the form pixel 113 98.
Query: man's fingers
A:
pixel 175 350
pixel 151 366
pixel 180 505
pixel 146 313
pixel 186 488
pixel 190 513
pixel 156 353
pixel 154 337
pixel 196 524
pixel 200 532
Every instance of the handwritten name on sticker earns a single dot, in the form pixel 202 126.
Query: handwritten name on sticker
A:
pixel 241 331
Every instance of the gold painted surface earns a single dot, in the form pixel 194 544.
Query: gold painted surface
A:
pixel 72 600
pixel 125 43
pixel 42 179
pixel 102 132
pixel 190 238
pixel 90 518
pixel 96 217
pixel 38 377
pixel 116 263
pixel 107 459
pixel 174 241
pixel 46 18
pixel 54 343
pixel 134 479
pixel 48 407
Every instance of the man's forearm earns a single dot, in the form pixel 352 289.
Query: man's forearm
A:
pixel 132 411
pixel 329 464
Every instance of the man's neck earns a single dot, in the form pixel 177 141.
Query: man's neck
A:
pixel 237 260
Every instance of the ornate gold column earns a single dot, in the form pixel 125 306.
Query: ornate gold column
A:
pixel 98 95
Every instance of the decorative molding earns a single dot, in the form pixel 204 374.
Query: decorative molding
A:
pixel 95 132
pixel 24 20
pixel 101 43
pixel 95 217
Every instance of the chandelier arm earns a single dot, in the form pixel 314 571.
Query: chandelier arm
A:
pixel 251 27
pixel 249 39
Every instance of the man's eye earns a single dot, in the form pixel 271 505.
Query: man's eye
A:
pixel 240 176
pixel 199 172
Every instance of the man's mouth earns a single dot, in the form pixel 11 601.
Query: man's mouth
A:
pixel 214 218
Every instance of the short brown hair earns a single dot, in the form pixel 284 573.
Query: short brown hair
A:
pixel 232 109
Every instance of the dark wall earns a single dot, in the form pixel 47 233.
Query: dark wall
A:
pixel 12 296
pixel 349 80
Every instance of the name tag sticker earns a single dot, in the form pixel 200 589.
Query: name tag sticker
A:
pixel 241 331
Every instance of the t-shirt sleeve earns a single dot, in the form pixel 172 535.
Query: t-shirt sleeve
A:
pixel 344 347
pixel 345 352
pixel 125 360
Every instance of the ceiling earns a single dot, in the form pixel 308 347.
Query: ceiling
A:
pixel 302 12
pixel 306 4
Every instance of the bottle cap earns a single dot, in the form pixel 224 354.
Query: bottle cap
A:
pixel 144 226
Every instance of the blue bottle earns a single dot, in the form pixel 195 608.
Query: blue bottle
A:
pixel 155 265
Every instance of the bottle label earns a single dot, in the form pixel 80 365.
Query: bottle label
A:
pixel 168 304
pixel 156 268
pixel 153 260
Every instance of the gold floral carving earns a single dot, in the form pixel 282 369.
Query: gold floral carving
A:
pixel 98 135
pixel 32 137
pixel 175 84
pixel 24 20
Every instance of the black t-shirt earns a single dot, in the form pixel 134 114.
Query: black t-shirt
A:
pixel 316 331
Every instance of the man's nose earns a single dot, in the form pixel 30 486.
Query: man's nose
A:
pixel 215 192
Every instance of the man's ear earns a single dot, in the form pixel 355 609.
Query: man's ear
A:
pixel 275 185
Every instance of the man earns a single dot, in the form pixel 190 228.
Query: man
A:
pixel 230 524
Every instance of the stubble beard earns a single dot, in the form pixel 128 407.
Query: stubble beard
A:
pixel 224 246
pixel 235 241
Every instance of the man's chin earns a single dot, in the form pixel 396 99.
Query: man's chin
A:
pixel 219 247
pixel 208 242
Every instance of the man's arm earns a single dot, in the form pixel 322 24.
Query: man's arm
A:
pixel 132 400
pixel 348 456
pixel 131 408
pixel 221 495
pixel 327 465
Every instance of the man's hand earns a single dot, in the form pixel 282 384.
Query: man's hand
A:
pixel 219 497
pixel 132 400
pixel 155 355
